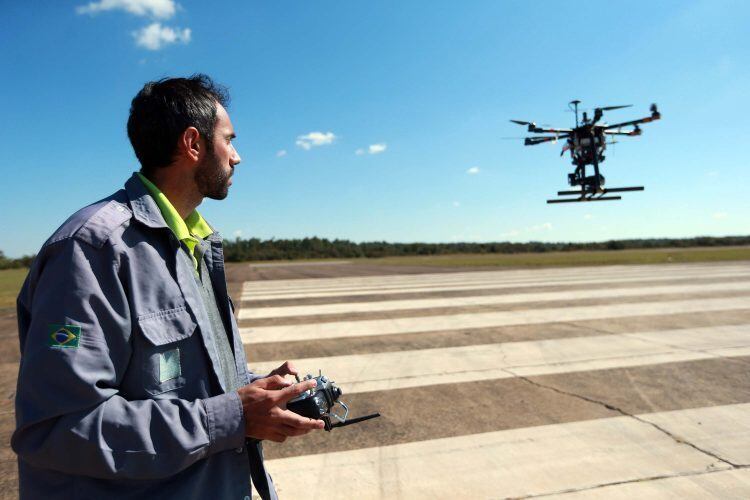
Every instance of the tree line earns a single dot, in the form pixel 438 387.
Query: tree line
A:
pixel 254 249
pixel 8 263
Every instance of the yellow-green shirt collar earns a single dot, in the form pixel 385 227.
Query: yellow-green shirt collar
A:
pixel 188 230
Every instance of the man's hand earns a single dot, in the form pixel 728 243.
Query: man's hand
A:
pixel 286 369
pixel 264 404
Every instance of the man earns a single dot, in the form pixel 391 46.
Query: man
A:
pixel 133 380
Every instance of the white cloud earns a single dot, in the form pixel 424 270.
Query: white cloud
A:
pixel 588 216
pixel 314 139
pixel 720 215
pixel 540 227
pixel 456 203
pixel 237 233
pixel 473 171
pixel 511 233
pixel 374 149
pixel 280 153
pixel 155 36
pixel 159 9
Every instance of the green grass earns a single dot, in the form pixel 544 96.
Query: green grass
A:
pixel 10 284
pixel 578 258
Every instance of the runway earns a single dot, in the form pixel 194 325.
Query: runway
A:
pixel 614 381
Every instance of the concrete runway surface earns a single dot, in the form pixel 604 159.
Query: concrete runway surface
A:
pixel 602 382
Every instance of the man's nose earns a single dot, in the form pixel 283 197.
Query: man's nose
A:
pixel 235 157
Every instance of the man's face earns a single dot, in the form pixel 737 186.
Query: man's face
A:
pixel 213 175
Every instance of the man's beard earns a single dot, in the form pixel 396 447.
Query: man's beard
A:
pixel 212 180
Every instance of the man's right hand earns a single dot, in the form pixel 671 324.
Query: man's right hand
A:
pixel 264 404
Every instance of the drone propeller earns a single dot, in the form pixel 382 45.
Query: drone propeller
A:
pixel 610 108
pixel 524 123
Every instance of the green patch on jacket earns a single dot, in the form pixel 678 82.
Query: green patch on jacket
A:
pixel 64 336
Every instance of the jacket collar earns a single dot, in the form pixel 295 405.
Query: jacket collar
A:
pixel 145 209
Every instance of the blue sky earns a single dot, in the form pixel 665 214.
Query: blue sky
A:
pixel 422 90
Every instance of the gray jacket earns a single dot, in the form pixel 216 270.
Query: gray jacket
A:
pixel 118 389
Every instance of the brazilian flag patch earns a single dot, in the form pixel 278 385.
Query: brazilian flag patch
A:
pixel 66 336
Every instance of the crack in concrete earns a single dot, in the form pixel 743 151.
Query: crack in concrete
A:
pixel 627 481
pixel 675 438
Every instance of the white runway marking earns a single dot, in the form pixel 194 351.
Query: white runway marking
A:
pixel 500 275
pixel 519 462
pixel 701 426
pixel 729 484
pixel 519 298
pixel 415 368
pixel 299 264
pixel 341 329
pixel 479 284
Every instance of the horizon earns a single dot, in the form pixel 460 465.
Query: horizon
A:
pixel 498 242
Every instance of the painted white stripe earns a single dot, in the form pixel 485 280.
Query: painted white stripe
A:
pixel 321 284
pixel 415 368
pixel 729 484
pixel 480 285
pixel 519 298
pixel 395 326
pixel 511 463
pixel 298 264
pixel 734 445
pixel 503 274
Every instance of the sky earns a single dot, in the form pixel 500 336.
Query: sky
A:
pixel 386 120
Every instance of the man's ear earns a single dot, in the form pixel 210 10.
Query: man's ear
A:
pixel 190 143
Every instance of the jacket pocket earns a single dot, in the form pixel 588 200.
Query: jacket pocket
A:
pixel 168 337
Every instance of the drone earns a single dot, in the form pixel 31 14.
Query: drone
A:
pixel 586 144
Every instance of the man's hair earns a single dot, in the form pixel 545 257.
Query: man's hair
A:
pixel 163 109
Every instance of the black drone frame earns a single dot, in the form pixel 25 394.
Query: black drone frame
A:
pixel 582 195
pixel 592 186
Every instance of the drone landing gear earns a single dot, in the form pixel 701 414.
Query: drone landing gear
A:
pixel 598 195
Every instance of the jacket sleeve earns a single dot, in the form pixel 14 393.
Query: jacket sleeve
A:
pixel 70 416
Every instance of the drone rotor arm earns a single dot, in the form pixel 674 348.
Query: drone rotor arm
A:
pixel 636 131
pixel 655 115
pixel 633 122
pixel 533 141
